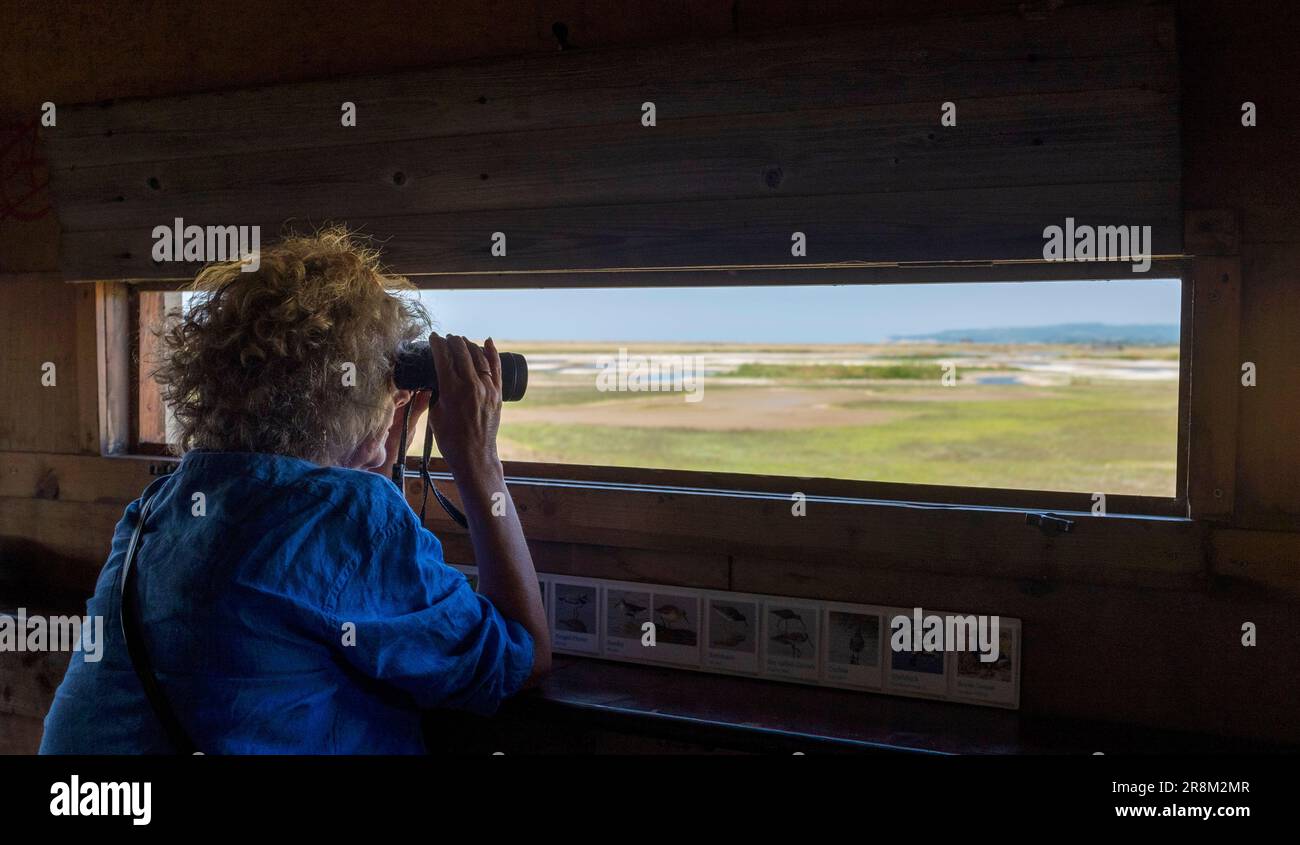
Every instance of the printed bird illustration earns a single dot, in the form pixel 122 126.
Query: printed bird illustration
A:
pixel 575 624
pixel 785 614
pixel 731 614
pixel 628 608
pixel 575 603
pixel 794 639
pixel 856 643
pixel 671 614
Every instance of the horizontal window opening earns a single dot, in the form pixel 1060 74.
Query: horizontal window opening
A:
pixel 1053 386
pixel 1063 386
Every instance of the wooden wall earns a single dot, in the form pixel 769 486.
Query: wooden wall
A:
pixel 833 132
pixel 1160 646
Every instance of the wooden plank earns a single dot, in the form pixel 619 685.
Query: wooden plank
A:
pixel 1078 48
pixel 962 540
pixel 1185 310
pixel 1117 135
pixel 39 324
pixel 1267 491
pixel 53 551
pixel 1254 172
pixel 581 699
pixel 74 478
pixel 1216 374
pixel 921 272
pixel 1212 232
pixel 1264 558
pixel 1174 639
pixel 1225 62
pixel 151 413
pixel 113 366
pixel 596 706
pixel 938 494
pixel 89 342
pixel 78 54
pixel 705 571
pixel 28 679
pixel 20 734
pixel 971 541
pixel 956 225
pixel 1168 554
pixel 68 533
pixel 767 14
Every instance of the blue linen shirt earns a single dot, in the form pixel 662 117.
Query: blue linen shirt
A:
pixel 307 611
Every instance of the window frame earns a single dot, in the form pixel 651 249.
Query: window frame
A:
pixel 699 483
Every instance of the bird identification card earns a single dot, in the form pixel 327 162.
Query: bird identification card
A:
pixel 790 639
pixel 731 631
pixel 851 645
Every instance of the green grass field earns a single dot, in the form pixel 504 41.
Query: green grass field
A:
pixel 1112 438
pixel 1073 428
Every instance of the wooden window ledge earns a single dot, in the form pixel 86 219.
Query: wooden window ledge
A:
pixel 595 706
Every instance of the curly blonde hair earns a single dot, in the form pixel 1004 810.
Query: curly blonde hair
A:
pixel 259 362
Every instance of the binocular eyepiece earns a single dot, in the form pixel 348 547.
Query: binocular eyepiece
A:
pixel 415 371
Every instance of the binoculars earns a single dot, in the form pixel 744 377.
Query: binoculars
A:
pixel 415 371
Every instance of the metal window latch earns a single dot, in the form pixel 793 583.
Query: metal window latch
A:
pixel 1050 523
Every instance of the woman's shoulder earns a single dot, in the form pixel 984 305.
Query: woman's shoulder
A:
pixel 368 498
pixel 346 498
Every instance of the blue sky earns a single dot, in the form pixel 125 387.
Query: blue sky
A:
pixel 795 314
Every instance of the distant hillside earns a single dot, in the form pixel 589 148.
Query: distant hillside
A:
pixel 1107 334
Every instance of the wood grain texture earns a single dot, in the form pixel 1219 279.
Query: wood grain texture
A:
pixel 853 273
pixel 1081 48
pixel 1216 386
pixel 1265 559
pixel 43 321
pixel 1268 418
pixel 593 706
pixel 54 538
pixel 74 478
pixel 1166 554
pixel 78 53
pixel 1005 141
pixel 1130 655
pixel 706 571
pixel 28 679
pixel 1099 602
pixel 833 133
pixel 681 537
pixel 1231 56
pixel 113 366
pixel 1214 231
pixel 956 225
pixel 20 734
pixel 89 316
pixel 881 491
pixel 150 412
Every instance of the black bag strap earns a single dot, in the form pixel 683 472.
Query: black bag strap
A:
pixel 399 471
pixel 452 511
pixel 136 648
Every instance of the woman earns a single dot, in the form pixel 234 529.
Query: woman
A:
pixel 289 599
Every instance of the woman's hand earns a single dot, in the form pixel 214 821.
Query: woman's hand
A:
pixel 468 411
pixel 465 421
